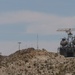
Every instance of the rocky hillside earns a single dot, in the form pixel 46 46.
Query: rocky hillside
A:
pixel 36 62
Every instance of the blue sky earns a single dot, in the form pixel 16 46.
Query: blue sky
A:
pixel 22 20
pixel 59 7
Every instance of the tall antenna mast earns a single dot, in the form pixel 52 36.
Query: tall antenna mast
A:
pixel 37 42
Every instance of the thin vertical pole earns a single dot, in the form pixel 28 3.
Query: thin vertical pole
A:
pixel 37 42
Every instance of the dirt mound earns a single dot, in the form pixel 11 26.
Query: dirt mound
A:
pixel 36 62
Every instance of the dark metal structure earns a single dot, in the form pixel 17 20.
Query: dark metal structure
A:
pixel 67 45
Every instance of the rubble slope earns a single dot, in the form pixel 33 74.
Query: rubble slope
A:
pixel 36 62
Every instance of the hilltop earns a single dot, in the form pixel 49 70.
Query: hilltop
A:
pixel 36 62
